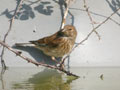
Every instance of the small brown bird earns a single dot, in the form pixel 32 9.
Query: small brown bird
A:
pixel 58 44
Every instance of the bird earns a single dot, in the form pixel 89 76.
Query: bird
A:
pixel 58 44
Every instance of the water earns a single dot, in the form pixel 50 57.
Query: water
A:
pixel 40 78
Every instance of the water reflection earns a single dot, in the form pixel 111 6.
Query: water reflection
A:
pixel 46 80
pixel 2 78
pixel 30 78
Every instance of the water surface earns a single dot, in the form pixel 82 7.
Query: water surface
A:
pixel 40 78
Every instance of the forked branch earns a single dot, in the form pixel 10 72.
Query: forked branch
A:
pixel 35 62
pixel 86 38
pixel 90 17
pixel 94 29
pixel 5 36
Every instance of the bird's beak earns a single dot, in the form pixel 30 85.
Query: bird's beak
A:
pixel 63 30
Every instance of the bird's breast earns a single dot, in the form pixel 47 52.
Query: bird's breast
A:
pixel 60 50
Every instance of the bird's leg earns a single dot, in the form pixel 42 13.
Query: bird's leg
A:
pixel 54 59
pixel 61 64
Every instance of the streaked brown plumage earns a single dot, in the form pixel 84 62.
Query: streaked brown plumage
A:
pixel 58 44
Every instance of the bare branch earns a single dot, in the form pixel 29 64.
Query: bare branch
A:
pixel 65 13
pixel 90 17
pixel 35 62
pixel 2 78
pixel 97 15
pixel 86 38
pixel 5 36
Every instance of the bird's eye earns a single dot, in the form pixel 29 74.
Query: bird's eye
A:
pixel 70 29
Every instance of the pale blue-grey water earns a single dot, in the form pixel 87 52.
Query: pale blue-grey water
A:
pixel 39 78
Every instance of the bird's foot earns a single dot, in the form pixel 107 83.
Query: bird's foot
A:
pixel 61 66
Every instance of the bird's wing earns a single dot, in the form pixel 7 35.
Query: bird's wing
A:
pixel 56 42
pixel 45 41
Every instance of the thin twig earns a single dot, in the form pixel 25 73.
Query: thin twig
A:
pixel 35 62
pixel 86 38
pixel 90 17
pixel 96 14
pixel 5 36
pixel 2 78
pixel 67 3
pixel 65 14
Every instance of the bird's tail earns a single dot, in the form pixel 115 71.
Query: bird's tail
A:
pixel 22 44
pixel 37 43
pixel 34 42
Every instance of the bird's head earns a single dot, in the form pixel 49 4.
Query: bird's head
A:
pixel 68 31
